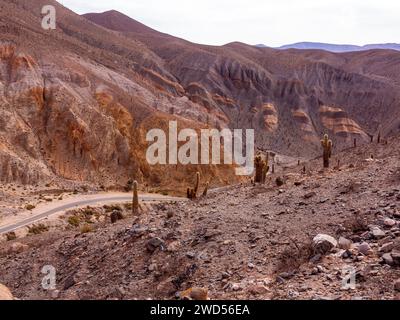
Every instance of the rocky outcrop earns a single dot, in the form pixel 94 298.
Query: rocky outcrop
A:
pixel 5 293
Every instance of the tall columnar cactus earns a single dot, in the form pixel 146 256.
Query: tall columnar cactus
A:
pixel 192 192
pixel 262 169
pixel 206 189
pixel 196 187
pixel 135 199
pixel 327 147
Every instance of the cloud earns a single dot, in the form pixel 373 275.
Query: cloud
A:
pixel 261 21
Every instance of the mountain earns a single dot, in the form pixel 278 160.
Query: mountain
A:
pixel 76 103
pixel 277 92
pixel 338 47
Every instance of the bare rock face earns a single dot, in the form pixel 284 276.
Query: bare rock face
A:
pixel 78 105
pixel 5 293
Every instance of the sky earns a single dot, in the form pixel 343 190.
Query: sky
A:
pixel 271 22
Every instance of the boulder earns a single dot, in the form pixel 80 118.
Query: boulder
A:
pixel 387 258
pixel 377 233
pixel 389 222
pixel 397 285
pixel 364 248
pixel 344 243
pixel 155 243
pixel 5 293
pixel 396 257
pixel 323 243
pixel 387 247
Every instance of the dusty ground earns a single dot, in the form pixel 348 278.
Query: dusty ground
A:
pixel 241 242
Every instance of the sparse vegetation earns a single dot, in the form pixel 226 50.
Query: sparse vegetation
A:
pixel 128 186
pixel 30 207
pixel 192 192
pixel 356 224
pixel 111 208
pixel 135 199
pixel 74 221
pixel 86 228
pixel 262 168
pixel 116 216
pixel 294 256
pixel 327 150
pixel 38 229
pixel 11 236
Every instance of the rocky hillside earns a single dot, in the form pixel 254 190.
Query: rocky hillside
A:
pixel 76 103
pixel 289 96
pixel 291 238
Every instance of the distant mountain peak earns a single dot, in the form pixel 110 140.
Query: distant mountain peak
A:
pixel 117 21
pixel 336 47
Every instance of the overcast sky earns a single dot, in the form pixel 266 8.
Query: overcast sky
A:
pixel 270 22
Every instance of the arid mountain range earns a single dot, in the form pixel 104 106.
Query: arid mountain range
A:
pixel 336 47
pixel 76 102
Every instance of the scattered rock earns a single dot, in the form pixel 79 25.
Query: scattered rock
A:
pixel 170 214
pixel 387 247
pixel 396 257
pixel 387 258
pixel 364 248
pixel 69 282
pixel 310 195
pixel 138 231
pixel 199 294
pixel 116 215
pixel 323 243
pixel 55 294
pixel 279 181
pixel 257 290
pixel 397 285
pixel 377 233
pixel 347 254
pixel 155 243
pixel 344 243
pixel 389 222
pixel 236 286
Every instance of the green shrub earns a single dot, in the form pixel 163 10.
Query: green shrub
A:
pixel 74 221
pixel 30 207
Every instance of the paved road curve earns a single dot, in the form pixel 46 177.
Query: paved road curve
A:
pixel 43 213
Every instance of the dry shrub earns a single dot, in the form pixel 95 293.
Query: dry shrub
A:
pixel 86 228
pixel 294 256
pixel 38 229
pixel 356 224
pixel 11 236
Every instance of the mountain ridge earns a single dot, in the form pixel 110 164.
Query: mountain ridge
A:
pixel 337 48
